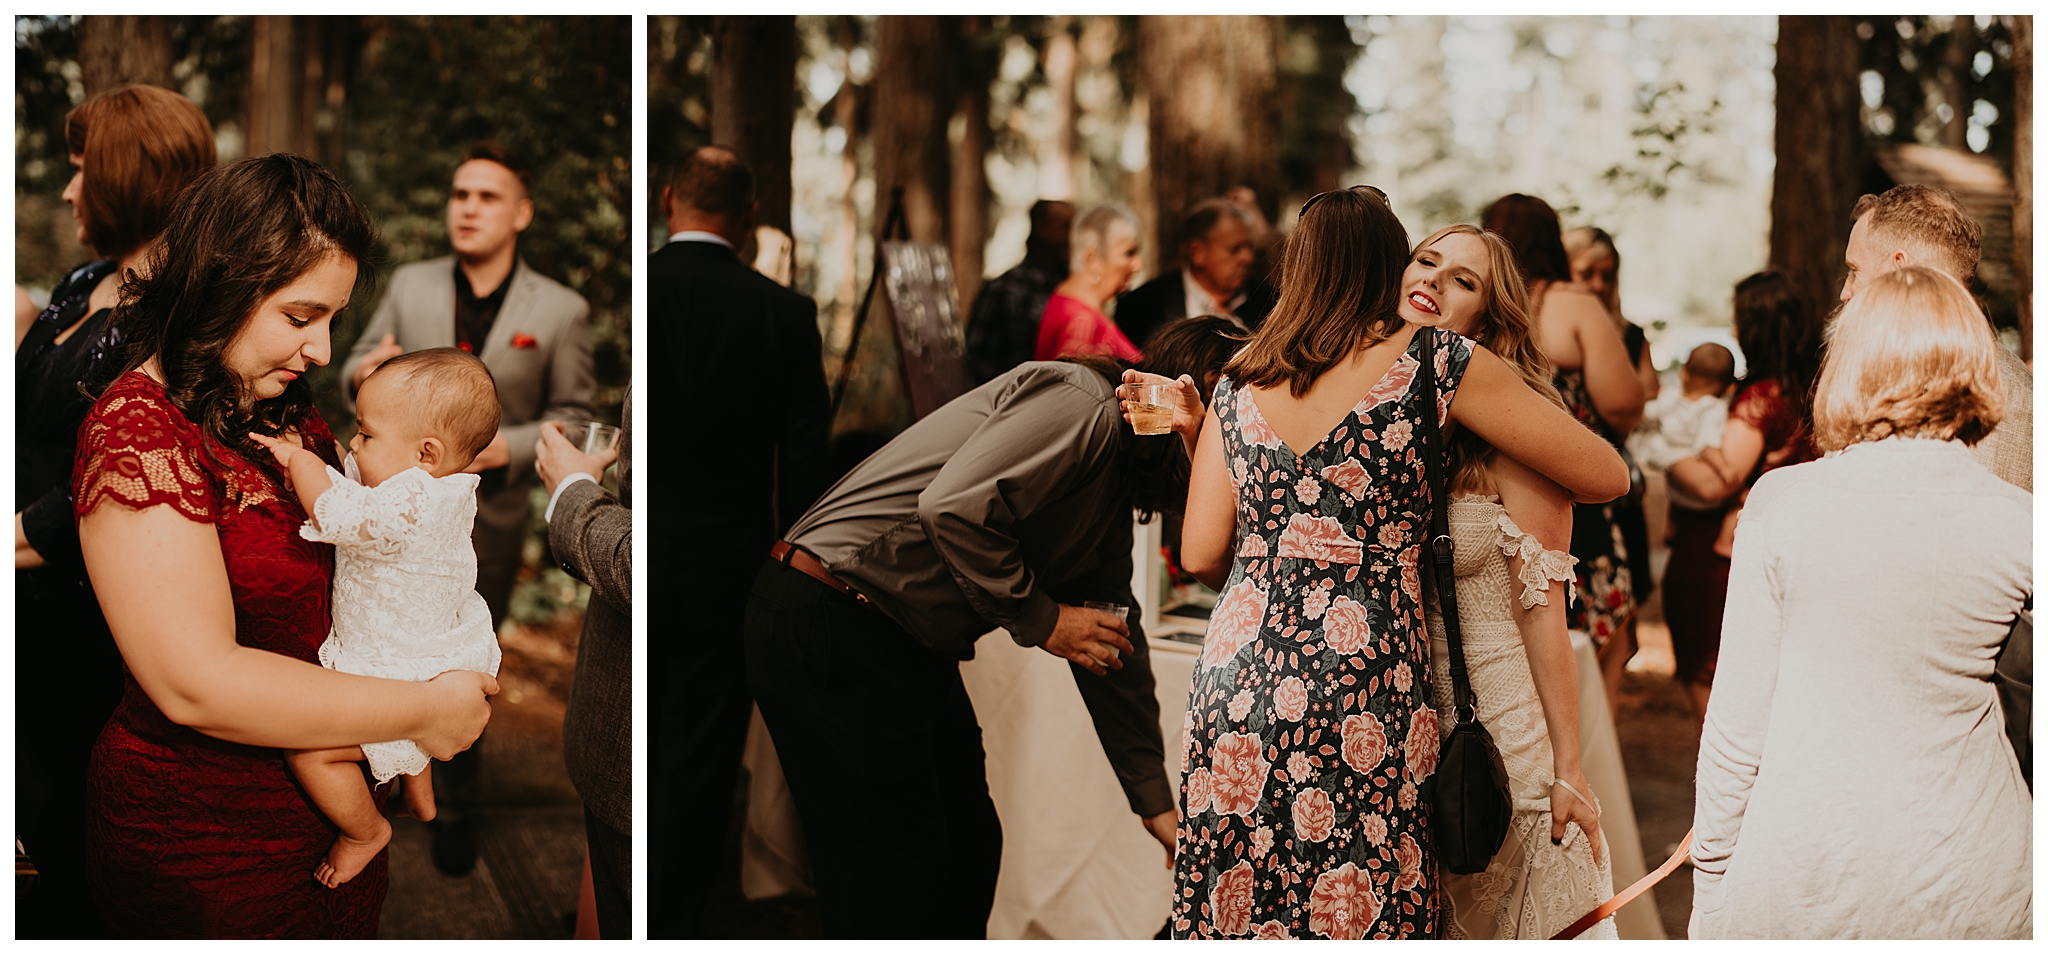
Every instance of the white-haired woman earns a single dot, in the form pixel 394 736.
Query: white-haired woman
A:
pixel 1854 778
pixel 1105 257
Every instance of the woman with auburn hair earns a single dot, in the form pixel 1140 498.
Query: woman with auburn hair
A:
pixel 1600 387
pixel 1855 779
pixel 1780 337
pixel 136 148
pixel 1510 527
pixel 1311 727
pixel 196 828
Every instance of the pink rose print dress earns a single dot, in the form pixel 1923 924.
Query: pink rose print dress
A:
pixel 1310 723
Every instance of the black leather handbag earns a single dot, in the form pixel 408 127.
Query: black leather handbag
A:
pixel 2014 677
pixel 1469 805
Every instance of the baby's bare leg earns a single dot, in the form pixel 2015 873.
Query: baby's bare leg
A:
pixel 419 794
pixel 335 782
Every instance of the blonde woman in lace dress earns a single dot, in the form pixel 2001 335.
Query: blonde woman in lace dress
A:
pixel 1510 527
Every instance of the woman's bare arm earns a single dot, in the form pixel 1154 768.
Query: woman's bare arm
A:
pixel 1715 477
pixel 1542 509
pixel 1611 378
pixel 163 585
pixel 1498 407
pixel 1646 371
pixel 1208 534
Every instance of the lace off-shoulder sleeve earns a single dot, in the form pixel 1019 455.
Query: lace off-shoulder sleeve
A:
pixel 136 449
pixel 377 518
pixel 1539 566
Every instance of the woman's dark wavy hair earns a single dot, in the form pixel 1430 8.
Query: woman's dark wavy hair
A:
pixel 1157 465
pixel 1530 225
pixel 1780 334
pixel 1340 288
pixel 239 233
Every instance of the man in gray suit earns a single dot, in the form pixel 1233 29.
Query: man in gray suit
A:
pixel 591 533
pixel 534 335
pixel 1928 226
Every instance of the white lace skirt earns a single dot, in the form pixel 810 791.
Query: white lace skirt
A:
pixel 1532 889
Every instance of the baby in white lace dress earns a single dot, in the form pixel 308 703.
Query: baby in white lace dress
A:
pixel 405 604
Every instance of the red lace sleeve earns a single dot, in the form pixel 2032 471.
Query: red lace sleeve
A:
pixel 135 448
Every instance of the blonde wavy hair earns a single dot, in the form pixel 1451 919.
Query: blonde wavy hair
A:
pixel 1910 356
pixel 1504 328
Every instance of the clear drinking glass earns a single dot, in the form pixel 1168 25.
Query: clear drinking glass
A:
pixel 1152 409
pixel 599 437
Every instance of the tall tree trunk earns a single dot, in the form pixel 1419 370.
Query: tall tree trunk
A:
pixel 1060 61
pixel 1819 145
pixel 913 101
pixel 753 104
pixel 2023 176
pixel 969 206
pixel 274 77
pixel 117 50
pixel 1212 125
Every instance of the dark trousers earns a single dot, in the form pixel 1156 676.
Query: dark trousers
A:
pixel 68 681
pixel 883 755
pixel 698 712
pixel 611 877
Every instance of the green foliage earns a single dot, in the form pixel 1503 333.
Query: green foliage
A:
pixel 1670 124
pixel 557 92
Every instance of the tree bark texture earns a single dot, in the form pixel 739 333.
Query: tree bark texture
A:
pixel 913 102
pixel 1819 145
pixel 2023 177
pixel 1212 123
pixel 753 103
pixel 117 50
pixel 274 79
pixel 969 206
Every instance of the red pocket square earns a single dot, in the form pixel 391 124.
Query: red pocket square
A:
pixel 523 340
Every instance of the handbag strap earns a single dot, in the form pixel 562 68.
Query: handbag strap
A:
pixel 1440 549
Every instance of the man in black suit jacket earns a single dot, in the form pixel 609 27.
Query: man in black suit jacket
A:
pixel 1218 246
pixel 738 422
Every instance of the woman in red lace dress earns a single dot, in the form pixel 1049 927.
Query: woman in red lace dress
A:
pixel 196 828
pixel 1780 335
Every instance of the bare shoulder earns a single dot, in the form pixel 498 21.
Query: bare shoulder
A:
pixel 1570 302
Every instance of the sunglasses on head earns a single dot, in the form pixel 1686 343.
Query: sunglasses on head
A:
pixel 1373 191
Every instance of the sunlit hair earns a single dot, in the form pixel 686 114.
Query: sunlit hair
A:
pixel 139 146
pixel 1340 289
pixel 1930 220
pixel 1503 327
pixel 1910 356
pixel 452 392
pixel 1093 229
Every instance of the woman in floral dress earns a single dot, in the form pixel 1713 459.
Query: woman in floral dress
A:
pixel 1310 728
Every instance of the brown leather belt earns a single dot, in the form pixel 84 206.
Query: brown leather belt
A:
pixel 790 555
